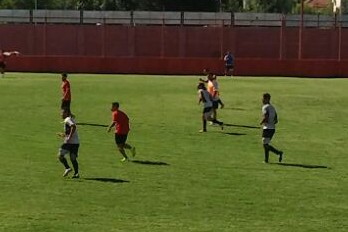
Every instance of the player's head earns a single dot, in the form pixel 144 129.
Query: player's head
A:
pixel 210 76
pixel 266 98
pixel 64 76
pixel 200 85
pixel 115 106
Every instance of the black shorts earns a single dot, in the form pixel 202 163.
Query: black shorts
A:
pixel 206 110
pixel 65 104
pixel 229 66
pixel 120 139
pixel 72 148
pixel 268 133
pixel 215 104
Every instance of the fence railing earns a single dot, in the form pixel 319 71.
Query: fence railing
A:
pixel 169 18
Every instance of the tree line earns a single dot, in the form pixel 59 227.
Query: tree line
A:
pixel 262 6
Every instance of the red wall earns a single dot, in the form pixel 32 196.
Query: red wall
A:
pixel 175 49
pixel 292 68
pixel 140 65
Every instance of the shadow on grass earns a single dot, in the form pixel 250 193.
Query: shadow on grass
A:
pixel 109 180
pixel 233 108
pixel 147 162
pixel 235 134
pixel 243 126
pixel 310 166
pixel 90 124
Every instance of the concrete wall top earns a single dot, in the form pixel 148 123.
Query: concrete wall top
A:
pixel 156 17
pixel 14 16
pixel 108 17
pixel 56 16
pixel 257 19
pixel 170 18
pixel 310 20
pixel 204 18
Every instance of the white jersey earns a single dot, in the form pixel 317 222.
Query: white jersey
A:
pixel 68 122
pixel 206 99
pixel 269 111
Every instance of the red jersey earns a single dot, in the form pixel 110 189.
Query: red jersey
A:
pixel 66 90
pixel 122 122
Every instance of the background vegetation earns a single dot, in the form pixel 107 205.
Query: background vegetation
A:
pixel 270 6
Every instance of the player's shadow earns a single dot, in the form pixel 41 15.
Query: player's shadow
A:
pixel 108 180
pixel 234 134
pixel 310 166
pixel 147 162
pixel 90 124
pixel 241 126
pixel 233 108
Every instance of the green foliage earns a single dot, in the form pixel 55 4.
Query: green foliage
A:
pixel 232 6
pixel 271 6
pixel 266 6
pixel 344 6
pixel 212 182
pixel 154 5
pixel 309 10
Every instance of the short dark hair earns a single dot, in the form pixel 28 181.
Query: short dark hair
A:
pixel 64 75
pixel 200 85
pixel 116 104
pixel 267 96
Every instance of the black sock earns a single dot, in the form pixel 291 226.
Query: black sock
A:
pixel 74 162
pixel 272 149
pixel 217 122
pixel 204 125
pixel 266 150
pixel 75 165
pixel 64 162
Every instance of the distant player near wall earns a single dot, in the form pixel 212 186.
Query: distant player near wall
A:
pixel 3 56
pixel 228 58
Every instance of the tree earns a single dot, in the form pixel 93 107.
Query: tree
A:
pixel 263 6
pixel 232 5
pixel 271 6
pixel 344 6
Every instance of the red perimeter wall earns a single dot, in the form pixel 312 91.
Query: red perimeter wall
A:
pixel 175 49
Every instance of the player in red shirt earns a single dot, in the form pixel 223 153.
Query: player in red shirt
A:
pixel 121 122
pixel 66 93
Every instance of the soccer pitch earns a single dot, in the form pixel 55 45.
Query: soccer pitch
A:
pixel 180 180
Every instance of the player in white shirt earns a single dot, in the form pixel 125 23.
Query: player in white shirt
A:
pixel 206 99
pixel 70 144
pixel 269 119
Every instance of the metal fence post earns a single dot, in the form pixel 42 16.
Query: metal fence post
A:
pixel 81 16
pixel 132 18
pixel 182 18
pixel 31 16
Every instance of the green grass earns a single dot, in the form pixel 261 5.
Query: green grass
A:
pixel 212 182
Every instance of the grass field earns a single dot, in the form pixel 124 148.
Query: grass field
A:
pixel 180 180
